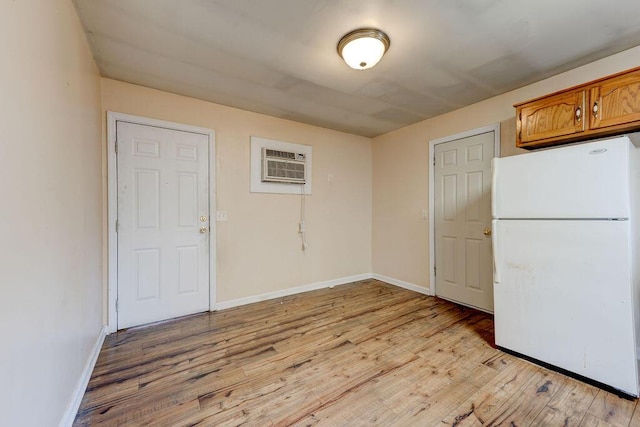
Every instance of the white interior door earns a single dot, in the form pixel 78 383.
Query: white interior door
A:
pixel 462 208
pixel 163 223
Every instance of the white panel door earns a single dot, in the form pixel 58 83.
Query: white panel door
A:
pixel 462 191
pixel 163 223
pixel 563 295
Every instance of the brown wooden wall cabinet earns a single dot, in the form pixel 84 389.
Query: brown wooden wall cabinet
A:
pixel 606 106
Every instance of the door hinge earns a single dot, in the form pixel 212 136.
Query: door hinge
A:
pixel 434 270
pixel 116 305
pixel 116 146
pixel 434 160
pixel 117 225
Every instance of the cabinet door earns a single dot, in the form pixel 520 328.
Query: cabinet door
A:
pixel 616 101
pixel 551 118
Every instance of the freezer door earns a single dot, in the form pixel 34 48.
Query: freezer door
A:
pixel 581 181
pixel 563 295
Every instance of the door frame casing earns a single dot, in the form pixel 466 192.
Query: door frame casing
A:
pixel 495 128
pixel 112 205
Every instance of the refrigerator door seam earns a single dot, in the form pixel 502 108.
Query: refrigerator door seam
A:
pixel 562 219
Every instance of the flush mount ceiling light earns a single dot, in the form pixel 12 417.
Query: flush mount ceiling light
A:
pixel 363 48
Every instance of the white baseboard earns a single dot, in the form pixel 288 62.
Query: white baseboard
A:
pixel 290 291
pixel 81 386
pixel 402 284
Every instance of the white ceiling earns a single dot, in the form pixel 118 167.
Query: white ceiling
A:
pixel 278 57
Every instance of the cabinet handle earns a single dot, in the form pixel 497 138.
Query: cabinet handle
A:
pixel 578 114
pixel 595 109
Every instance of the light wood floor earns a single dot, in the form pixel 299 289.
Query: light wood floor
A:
pixel 361 354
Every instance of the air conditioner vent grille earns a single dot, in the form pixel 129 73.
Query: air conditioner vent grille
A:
pixel 280 154
pixel 283 166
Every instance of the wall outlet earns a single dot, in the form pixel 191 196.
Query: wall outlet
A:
pixel 424 214
pixel 221 216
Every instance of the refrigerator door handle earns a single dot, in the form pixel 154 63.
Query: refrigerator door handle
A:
pixel 496 253
pixel 494 185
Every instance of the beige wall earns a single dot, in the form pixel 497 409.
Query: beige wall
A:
pixel 401 167
pixel 51 215
pixel 259 248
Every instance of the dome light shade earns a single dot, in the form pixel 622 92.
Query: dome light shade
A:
pixel 363 48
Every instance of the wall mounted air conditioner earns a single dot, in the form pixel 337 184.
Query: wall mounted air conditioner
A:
pixel 283 166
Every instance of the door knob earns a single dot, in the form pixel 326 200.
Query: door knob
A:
pixel 487 232
pixel 203 218
pixel 203 230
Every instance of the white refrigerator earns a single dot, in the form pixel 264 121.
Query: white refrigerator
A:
pixel 565 240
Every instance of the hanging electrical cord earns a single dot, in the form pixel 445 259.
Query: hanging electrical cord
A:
pixel 302 227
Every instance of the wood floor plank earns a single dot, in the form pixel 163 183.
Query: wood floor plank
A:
pixel 366 353
pixel 568 406
pixel 635 418
pixel 490 396
pixel 612 409
pixel 424 408
pixel 592 421
pixel 350 411
pixel 522 408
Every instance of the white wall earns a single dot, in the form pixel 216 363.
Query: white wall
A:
pixel 51 214
pixel 401 167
